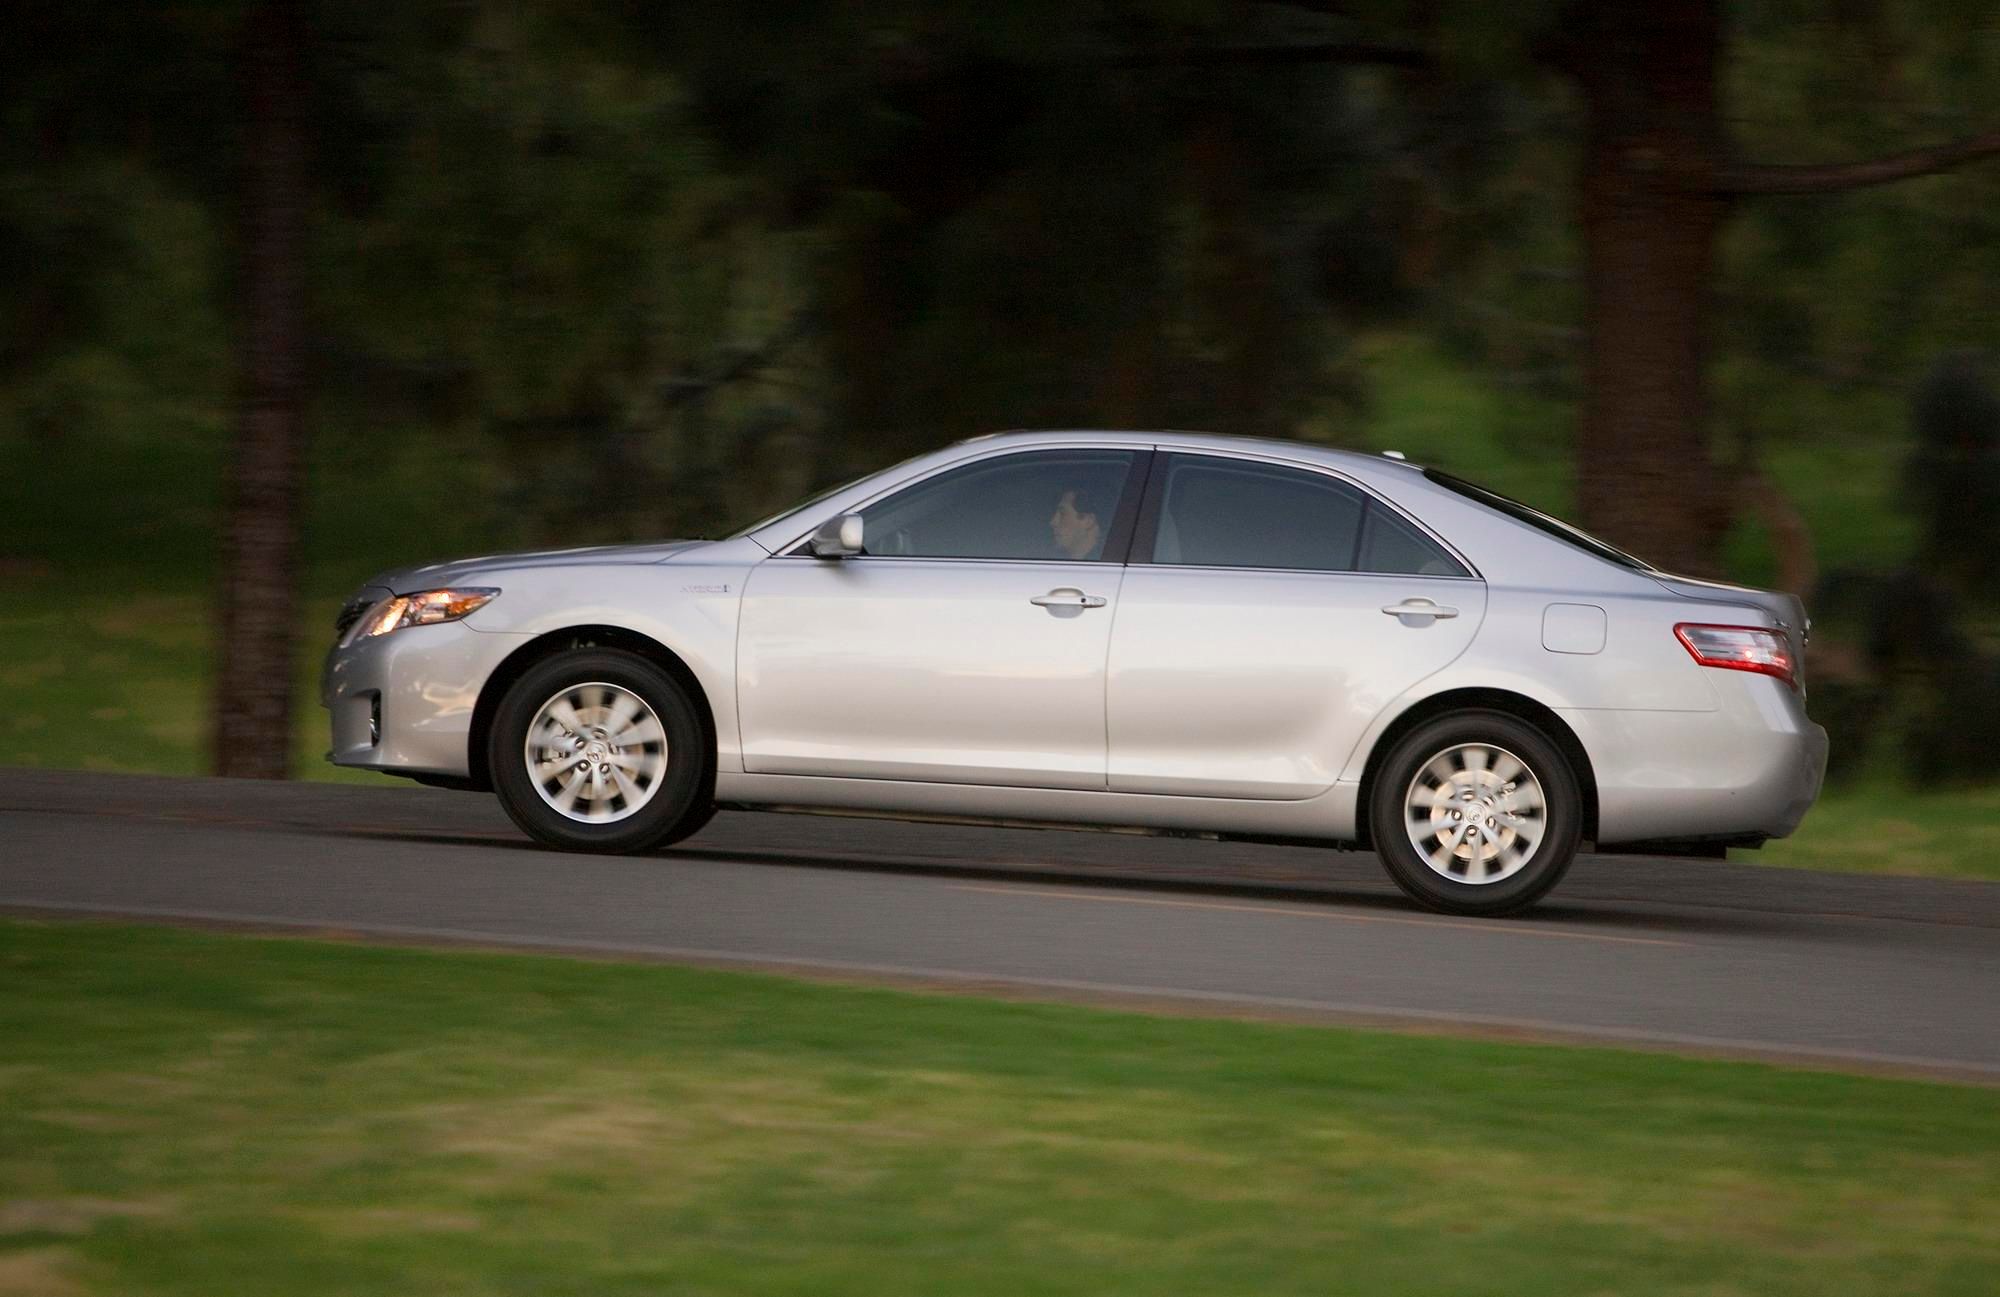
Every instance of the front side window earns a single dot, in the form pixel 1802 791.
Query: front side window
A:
pixel 1044 505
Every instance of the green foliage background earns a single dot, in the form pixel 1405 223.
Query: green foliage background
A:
pixel 586 272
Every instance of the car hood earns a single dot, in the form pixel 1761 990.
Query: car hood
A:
pixel 427 576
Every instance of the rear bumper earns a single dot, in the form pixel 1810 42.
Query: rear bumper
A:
pixel 402 703
pixel 1750 769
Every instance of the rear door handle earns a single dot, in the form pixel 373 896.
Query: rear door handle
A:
pixel 1068 596
pixel 1420 608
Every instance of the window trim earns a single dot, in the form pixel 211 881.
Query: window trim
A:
pixel 1117 540
pixel 1548 524
pixel 1147 530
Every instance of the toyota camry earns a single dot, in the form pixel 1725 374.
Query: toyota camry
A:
pixel 1177 633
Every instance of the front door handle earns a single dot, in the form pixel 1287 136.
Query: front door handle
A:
pixel 1067 596
pixel 1420 607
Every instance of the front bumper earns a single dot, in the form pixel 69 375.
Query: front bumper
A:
pixel 403 702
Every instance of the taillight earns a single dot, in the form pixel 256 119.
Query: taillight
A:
pixel 1739 648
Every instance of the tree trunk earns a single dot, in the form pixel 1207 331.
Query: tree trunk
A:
pixel 1650 214
pixel 260 544
pixel 1791 538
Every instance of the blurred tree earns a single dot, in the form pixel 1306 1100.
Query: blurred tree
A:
pixel 1659 174
pixel 108 323
pixel 1657 180
pixel 259 592
pixel 1016 222
pixel 1040 147
pixel 549 265
pixel 1926 677
pixel 1920 642
pixel 581 272
pixel 1953 474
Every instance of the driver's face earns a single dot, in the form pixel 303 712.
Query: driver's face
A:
pixel 1075 533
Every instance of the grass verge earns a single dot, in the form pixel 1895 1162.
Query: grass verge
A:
pixel 192 1113
pixel 123 684
pixel 1885 829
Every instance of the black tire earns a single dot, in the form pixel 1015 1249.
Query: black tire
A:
pixel 1561 822
pixel 682 802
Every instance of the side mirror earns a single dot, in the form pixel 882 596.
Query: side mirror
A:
pixel 837 537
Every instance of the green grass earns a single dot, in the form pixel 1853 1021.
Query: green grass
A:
pixel 123 684
pixel 192 1113
pixel 1884 829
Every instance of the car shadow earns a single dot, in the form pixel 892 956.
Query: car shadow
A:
pixel 1382 898
pixel 1607 915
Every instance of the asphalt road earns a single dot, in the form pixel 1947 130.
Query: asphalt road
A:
pixel 1874 973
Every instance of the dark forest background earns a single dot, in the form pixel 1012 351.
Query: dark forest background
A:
pixel 296 290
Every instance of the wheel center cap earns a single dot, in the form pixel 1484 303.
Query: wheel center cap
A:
pixel 594 753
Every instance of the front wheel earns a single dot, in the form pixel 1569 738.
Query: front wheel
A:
pixel 601 750
pixel 1475 813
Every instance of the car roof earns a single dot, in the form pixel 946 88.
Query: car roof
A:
pixel 1496 545
pixel 1181 439
pixel 1378 471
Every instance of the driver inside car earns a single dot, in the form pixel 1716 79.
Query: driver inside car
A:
pixel 1075 524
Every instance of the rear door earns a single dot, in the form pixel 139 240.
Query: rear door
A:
pixel 1270 612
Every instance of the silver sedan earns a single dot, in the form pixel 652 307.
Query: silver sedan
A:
pixel 1183 634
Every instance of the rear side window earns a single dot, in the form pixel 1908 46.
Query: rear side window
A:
pixel 1540 521
pixel 1231 513
pixel 1237 513
pixel 1392 546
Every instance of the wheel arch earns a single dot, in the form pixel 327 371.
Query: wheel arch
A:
pixel 1519 706
pixel 568 639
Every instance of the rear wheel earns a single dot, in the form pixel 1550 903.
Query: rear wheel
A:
pixel 1476 813
pixel 601 750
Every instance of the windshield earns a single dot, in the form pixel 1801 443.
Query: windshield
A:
pixel 1540 521
pixel 811 501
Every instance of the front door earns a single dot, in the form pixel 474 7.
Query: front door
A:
pixel 965 645
pixel 1270 613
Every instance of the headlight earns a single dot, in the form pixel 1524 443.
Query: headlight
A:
pixel 423 609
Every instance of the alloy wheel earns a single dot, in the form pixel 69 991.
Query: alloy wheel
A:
pixel 596 752
pixel 1475 813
